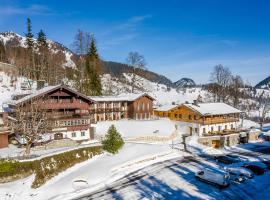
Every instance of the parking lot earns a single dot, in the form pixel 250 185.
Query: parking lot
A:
pixel 175 179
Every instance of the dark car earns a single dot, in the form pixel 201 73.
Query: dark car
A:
pixel 267 163
pixel 254 168
pixel 226 159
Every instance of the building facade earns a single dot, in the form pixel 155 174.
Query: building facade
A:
pixel 130 106
pixel 203 118
pixel 69 113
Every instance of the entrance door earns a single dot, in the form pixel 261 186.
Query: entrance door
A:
pixel 215 143
pixel 58 136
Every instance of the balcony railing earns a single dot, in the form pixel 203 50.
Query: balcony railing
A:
pixel 217 121
pixel 66 105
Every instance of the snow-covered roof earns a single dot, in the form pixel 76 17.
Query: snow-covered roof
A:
pixel 166 107
pixel 122 97
pixel 213 108
pixel 45 90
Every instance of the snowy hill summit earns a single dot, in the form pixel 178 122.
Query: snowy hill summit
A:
pixel 184 82
pixel 264 84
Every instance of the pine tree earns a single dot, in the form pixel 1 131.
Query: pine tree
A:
pixel 113 141
pixel 93 54
pixel 29 35
pixel 92 83
pixel 42 40
pixel 42 70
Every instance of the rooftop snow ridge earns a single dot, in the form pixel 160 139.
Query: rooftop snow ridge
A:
pixel 213 108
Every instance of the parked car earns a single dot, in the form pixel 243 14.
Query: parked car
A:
pixel 237 177
pixel 267 163
pixel 243 171
pixel 258 163
pixel 217 178
pixel 226 159
pixel 254 168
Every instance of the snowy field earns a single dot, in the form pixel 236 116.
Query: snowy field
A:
pixel 136 128
pixel 96 171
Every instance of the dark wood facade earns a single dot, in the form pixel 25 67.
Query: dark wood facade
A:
pixel 69 112
pixel 141 108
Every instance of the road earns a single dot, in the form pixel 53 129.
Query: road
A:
pixel 174 179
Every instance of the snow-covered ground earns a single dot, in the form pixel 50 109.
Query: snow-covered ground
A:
pixel 137 128
pixel 96 171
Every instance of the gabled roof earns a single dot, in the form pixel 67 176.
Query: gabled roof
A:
pixel 213 108
pixel 122 97
pixel 166 107
pixel 47 90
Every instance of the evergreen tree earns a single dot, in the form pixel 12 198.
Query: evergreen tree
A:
pixel 42 39
pixel 42 70
pixel 29 35
pixel 92 83
pixel 113 141
pixel 93 54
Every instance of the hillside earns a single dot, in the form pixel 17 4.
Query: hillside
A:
pixel 65 58
pixel 264 84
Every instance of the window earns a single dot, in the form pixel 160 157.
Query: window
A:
pixel 138 107
pixel 226 127
pixel 82 133
pixel 203 130
pixel 231 126
pixel 148 106
pixel 175 115
pixel 180 116
pixel 196 130
pixel 142 106
pixel 212 128
pixel 219 128
pixel 195 117
pixel 73 134
pixel 189 117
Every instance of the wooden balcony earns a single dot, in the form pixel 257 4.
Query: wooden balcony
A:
pixel 66 105
pixel 217 121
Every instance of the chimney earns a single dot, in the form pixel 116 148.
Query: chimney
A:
pixel 40 84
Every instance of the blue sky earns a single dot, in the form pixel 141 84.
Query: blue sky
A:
pixel 178 38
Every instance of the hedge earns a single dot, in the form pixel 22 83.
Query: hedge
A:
pixel 47 167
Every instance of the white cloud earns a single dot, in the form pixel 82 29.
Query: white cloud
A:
pixel 33 9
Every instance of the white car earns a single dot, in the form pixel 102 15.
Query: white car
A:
pixel 240 170
pixel 217 178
